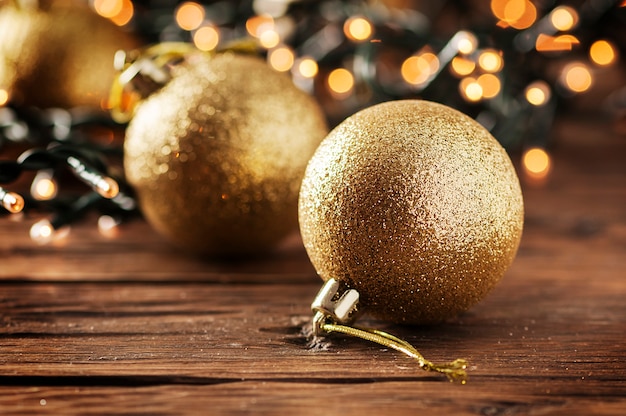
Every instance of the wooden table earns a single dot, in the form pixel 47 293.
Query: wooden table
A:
pixel 130 325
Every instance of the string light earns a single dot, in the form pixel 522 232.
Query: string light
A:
pixel 125 15
pixel 206 38
pixel 415 70
pixel 105 186
pixel 470 89
pixel 537 93
pixel 108 226
pixel 189 15
pixel 466 42
pixel 603 53
pixel 340 82
pixel 319 45
pixel 514 10
pixel 307 67
pixel 421 69
pixel 527 18
pixel 462 66
pixel 269 39
pixel 418 69
pixel 281 59
pixel 11 201
pixel 258 24
pixel 519 14
pixel 490 60
pixel 498 9
pixel 547 43
pixel 576 77
pixel 43 232
pixel 44 187
pixel 4 96
pixel 490 85
pixel 357 29
pixel 108 8
pixel 536 163
pixel 564 18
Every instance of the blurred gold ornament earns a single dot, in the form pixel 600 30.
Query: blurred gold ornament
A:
pixel 58 53
pixel 217 154
pixel 415 206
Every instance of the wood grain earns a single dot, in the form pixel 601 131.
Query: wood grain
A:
pixel 132 326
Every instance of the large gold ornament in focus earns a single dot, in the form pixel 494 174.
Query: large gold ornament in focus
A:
pixel 59 53
pixel 217 155
pixel 414 205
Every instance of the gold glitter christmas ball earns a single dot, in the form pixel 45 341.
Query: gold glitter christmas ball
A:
pixel 59 53
pixel 217 155
pixel 414 205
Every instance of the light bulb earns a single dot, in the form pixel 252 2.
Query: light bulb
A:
pixel 11 201
pixel 107 187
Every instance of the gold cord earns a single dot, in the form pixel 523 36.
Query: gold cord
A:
pixel 455 370
pixel 122 102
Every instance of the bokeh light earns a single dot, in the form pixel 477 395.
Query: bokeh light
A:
pixel 42 232
pixel 269 38
pixel 281 58
pixel 466 43
pixel 527 19
pixel 470 89
pixel 258 24
pixel 307 67
pixel 576 77
pixel 538 93
pixel 490 60
pixel 490 85
pixel 119 12
pixel 462 66
pixel 514 10
pixel 108 8
pixel 189 15
pixel 358 29
pixel 206 38
pixel 4 97
pixel 340 81
pixel 567 39
pixel 564 18
pixel 43 187
pixel 108 226
pixel 519 14
pixel 125 15
pixel 547 43
pixel 603 52
pixel 536 163
pixel 418 69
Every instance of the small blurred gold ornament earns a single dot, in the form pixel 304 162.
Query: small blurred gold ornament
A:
pixel 415 206
pixel 217 154
pixel 58 53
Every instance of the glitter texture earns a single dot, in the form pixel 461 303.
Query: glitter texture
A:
pixel 58 54
pixel 416 206
pixel 218 154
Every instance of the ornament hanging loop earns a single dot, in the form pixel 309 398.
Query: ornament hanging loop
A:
pixel 142 72
pixel 336 307
pixel 334 301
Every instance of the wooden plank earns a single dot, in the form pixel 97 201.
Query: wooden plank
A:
pixel 131 325
pixel 550 346
pixel 394 396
